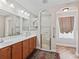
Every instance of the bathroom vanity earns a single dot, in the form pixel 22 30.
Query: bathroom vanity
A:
pixel 19 48
pixel 17 35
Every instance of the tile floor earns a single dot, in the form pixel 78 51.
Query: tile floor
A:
pixel 66 52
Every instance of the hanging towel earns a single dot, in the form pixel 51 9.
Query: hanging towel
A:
pixel 66 24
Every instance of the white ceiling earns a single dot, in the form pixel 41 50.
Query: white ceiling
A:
pixel 36 5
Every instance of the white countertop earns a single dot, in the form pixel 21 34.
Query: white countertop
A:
pixel 14 39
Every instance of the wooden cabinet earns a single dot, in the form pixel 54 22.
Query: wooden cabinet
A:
pixel 31 45
pixel 26 48
pixel 17 51
pixel 5 53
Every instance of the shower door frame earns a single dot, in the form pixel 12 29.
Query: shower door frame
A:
pixel 41 37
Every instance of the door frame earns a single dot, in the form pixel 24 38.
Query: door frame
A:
pixel 75 31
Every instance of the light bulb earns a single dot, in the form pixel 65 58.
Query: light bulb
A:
pixel 22 11
pixel 4 1
pixel 66 9
pixel 25 13
pixel 12 5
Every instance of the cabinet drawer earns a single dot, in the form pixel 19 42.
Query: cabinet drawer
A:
pixel 17 51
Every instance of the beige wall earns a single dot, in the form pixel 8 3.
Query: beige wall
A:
pixel 2 26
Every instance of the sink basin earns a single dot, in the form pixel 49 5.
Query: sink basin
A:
pixel 6 41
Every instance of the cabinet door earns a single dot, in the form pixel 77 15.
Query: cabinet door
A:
pixel 17 51
pixel 32 44
pixel 26 49
pixel 5 53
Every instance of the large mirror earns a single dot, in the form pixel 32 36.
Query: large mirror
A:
pixel 9 24
pixel 12 25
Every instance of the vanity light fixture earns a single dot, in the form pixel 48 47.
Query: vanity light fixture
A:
pixel 4 1
pixel 28 14
pixel 25 13
pixel 12 5
pixel 65 9
pixel 22 11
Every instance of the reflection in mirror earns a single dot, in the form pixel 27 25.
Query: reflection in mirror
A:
pixel 12 25
pixel 9 24
pixel 33 24
pixel 25 26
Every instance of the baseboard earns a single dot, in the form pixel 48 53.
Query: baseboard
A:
pixel 53 50
pixel 68 45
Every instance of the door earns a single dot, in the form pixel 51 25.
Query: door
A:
pixel 32 44
pixel 5 53
pixel 45 30
pixel 26 48
pixel 17 51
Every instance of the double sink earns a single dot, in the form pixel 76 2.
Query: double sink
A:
pixel 13 39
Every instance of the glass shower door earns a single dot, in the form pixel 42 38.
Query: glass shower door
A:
pixel 45 28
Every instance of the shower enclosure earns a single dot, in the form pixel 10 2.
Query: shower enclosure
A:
pixel 45 30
